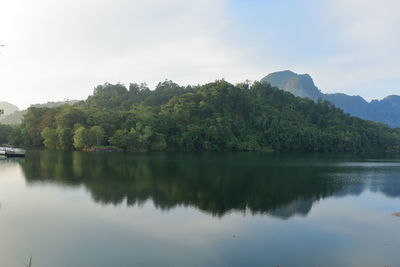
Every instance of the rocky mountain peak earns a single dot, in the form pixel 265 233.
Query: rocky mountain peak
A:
pixel 301 85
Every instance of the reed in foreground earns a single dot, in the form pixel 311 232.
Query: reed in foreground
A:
pixel 29 264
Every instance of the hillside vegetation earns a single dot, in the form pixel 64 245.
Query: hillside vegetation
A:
pixel 217 116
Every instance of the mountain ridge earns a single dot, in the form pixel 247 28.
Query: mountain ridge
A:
pixel 386 110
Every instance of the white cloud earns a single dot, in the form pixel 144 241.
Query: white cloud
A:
pixel 59 49
pixel 62 49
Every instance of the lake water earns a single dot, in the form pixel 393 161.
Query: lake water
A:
pixel 212 209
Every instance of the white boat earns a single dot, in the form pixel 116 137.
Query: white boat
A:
pixel 12 152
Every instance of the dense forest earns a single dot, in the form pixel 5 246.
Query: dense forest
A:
pixel 217 116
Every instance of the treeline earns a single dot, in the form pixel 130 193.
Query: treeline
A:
pixel 217 116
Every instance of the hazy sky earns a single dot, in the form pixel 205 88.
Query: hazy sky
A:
pixel 57 49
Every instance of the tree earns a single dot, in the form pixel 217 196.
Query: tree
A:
pixel 6 132
pixel 96 136
pixel 121 139
pixel 64 138
pixel 68 116
pixel 81 138
pixel 50 138
pixel 139 137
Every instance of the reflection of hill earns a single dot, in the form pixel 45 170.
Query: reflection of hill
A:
pixel 296 207
pixel 214 183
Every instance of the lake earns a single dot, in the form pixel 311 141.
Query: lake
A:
pixel 206 209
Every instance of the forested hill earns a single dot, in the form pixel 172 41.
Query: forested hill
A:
pixel 217 116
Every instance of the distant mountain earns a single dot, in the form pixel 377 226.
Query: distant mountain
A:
pixel 8 108
pixel 299 85
pixel 386 110
pixel 14 116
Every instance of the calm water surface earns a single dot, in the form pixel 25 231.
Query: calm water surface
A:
pixel 226 209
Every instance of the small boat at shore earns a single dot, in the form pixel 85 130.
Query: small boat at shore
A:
pixel 12 152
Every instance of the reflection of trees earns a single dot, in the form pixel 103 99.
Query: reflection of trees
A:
pixel 214 183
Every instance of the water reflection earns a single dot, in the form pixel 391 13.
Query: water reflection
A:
pixel 217 184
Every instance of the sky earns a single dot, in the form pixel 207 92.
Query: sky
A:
pixel 56 50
